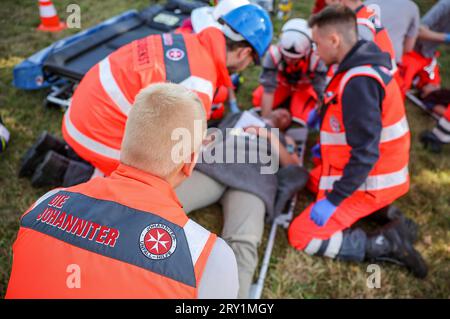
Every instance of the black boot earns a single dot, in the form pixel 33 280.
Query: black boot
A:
pixel 51 171
pixel 430 141
pixel 391 244
pixel 36 153
pixel 390 213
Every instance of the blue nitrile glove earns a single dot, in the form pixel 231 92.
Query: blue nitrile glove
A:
pixel 315 150
pixel 322 211
pixel 447 38
pixel 234 108
pixel 313 119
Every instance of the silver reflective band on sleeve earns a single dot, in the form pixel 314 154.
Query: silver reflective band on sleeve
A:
pixel 198 84
pixel 334 245
pixel 375 182
pixel 87 142
pixel 388 133
pixel 313 246
pixel 196 236
pixel 111 87
pixel 366 22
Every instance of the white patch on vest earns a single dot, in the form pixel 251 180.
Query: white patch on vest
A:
pixel 157 241
pixel 334 124
pixel 175 54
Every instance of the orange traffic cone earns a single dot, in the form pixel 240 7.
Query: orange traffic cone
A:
pixel 49 19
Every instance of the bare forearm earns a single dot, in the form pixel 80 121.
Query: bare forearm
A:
pixel 409 43
pixel 266 104
pixel 429 35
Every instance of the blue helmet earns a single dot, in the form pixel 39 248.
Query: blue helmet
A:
pixel 253 23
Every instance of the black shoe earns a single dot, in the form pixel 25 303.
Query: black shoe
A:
pixel 391 244
pixel 390 213
pixel 51 171
pixel 431 142
pixel 37 152
pixel 411 228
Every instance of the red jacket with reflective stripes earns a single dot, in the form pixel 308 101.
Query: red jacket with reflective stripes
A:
pixel 389 177
pixel 95 121
pixel 367 17
pixel 124 236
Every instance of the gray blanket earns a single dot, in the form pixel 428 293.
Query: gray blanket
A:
pixel 247 176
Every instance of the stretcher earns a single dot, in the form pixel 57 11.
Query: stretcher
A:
pixel 283 220
pixel 419 103
pixel 63 64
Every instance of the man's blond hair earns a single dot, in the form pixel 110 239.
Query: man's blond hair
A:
pixel 160 110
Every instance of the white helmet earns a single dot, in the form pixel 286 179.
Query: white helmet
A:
pixel 205 17
pixel 295 39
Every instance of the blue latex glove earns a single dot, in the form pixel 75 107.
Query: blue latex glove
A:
pixel 315 150
pixel 313 119
pixel 234 108
pixel 322 211
pixel 447 38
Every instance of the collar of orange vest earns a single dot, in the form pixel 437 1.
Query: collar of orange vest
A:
pixel 125 171
pixel 213 40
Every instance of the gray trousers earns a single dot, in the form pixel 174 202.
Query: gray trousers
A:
pixel 243 215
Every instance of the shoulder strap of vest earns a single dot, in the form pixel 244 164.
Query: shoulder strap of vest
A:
pixel 175 58
pixel 275 54
pixel 376 72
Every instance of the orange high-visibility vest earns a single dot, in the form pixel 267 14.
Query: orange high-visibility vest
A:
pixel 95 121
pixel 369 18
pixel 123 236
pixel 389 178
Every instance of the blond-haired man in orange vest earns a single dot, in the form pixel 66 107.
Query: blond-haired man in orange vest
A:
pixel 127 236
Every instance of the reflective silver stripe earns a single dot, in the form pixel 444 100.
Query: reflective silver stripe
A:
pixel 444 123
pixel 327 138
pixel 388 133
pixel 395 131
pixel 444 138
pixel 47 195
pixel 199 84
pixel 111 87
pixel 313 246
pixel 334 245
pixel 367 23
pixel 374 182
pixel 87 142
pixel 359 70
pixel 394 66
pixel 197 237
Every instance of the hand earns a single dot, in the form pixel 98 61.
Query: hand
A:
pixel 322 211
pixel 234 108
pixel 313 118
pixel 315 151
pixel 447 38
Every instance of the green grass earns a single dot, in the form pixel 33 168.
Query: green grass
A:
pixel 291 274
